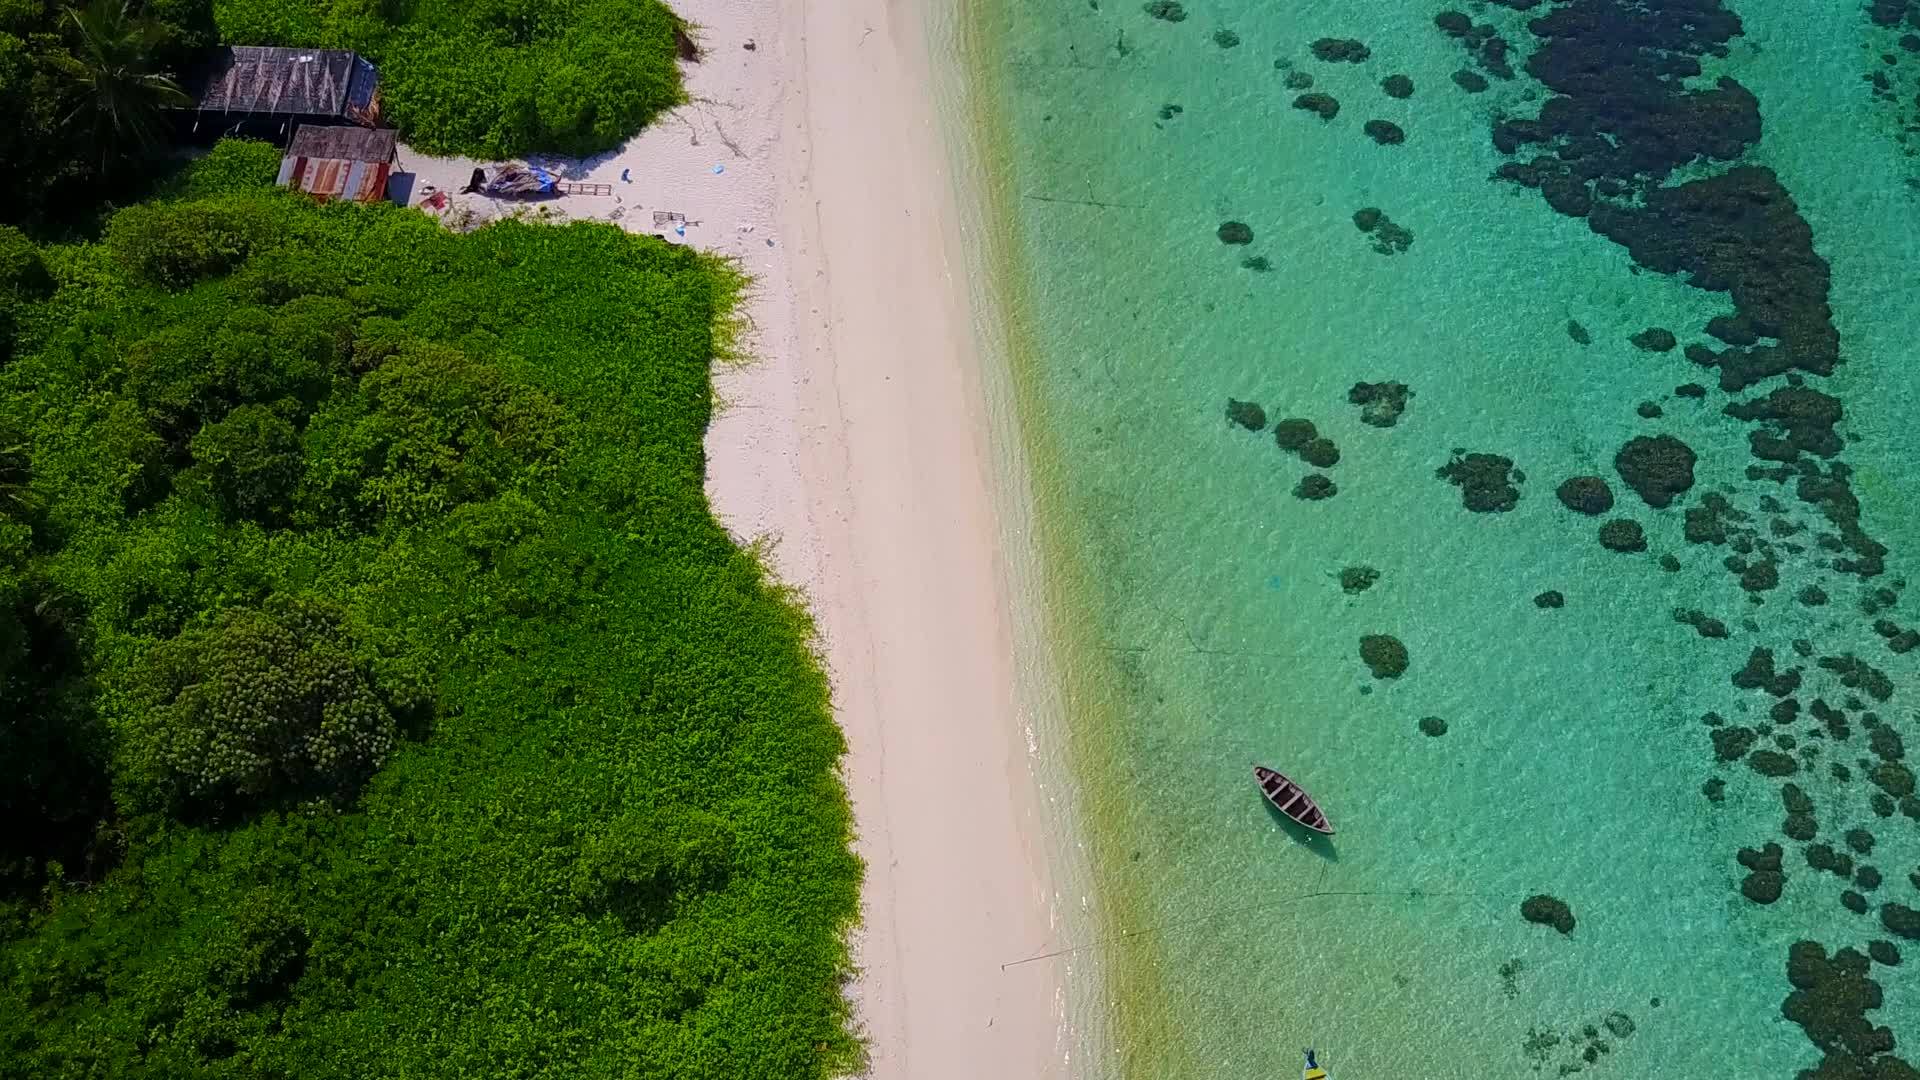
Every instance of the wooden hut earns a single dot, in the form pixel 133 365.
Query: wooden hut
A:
pixel 339 162
pixel 265 92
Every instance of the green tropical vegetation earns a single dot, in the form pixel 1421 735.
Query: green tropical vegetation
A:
pixel 83 90
pixel 492 78
pixel 378 695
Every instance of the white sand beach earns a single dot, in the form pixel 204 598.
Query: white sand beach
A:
pixel 856 440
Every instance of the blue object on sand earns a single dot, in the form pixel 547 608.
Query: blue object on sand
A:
pixel 625 177
pixel 718 169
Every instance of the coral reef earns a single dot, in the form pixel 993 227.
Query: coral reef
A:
pixel 1548 911
pixel 1382 403
pixel 1623 535
pixel 1384 655
pixel 1247 414
pixel 1487 482
pixel 1585 495
pixel 1657 467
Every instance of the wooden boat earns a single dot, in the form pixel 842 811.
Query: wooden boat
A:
pixel 1290 799
pixel 1312 1069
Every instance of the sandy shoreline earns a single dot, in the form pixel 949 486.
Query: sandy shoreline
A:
pixel 888 479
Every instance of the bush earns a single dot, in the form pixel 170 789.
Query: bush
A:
pixel 233 165
pixel 176 244
pixel 259 707
pixel 252 459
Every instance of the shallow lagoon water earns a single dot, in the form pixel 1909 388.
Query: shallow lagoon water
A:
pixel 1201 625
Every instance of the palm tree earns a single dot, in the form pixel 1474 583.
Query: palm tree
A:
pixel 114 68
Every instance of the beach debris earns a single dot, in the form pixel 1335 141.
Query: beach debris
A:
pixel 684 45
pixel 1235 232
pixel 1293 433
pixel 1623 535
pixel 1315 486
pixel 1578 333
pixel 1226 39
pixel 1585 495
pixel 1165 10
pixel 1432 726
pixel 1654 339
pixel 1384 655
pixel 1550 600
pixel 1397 86
pixel 1358 579
pixel 1487 482
pixel 1657 467
pixel 1471 81
pixel 1388 238
pixel 1297 80
pixel 1382 403
pixel 718 169
pixel 749 45
pixel 1322 105
pixel 1247 414
pixel 625 177
pixel 1384 132
pixel 1340 50
pixel 1548 910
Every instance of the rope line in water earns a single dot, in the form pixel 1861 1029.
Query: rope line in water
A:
pixel 1125 936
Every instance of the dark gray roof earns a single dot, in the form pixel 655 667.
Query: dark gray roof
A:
pixel 285 82
pixel 345 143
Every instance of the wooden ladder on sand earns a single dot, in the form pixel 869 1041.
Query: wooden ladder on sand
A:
pixel 574 187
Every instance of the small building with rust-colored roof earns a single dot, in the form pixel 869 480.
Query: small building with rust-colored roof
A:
pixel 339 162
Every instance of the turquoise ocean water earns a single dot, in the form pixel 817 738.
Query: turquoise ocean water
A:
pixel 1200 623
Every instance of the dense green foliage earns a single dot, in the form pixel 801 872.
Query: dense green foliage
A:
pixel 82 91
pixel 492 78
pixel 380 697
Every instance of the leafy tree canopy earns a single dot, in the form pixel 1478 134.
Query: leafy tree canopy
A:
pixel 381 698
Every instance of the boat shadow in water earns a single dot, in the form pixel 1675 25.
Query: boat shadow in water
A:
pixel 1319 843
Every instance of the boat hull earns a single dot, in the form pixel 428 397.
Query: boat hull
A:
pixel 1292 800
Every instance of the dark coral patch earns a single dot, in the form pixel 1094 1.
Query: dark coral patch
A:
pixel 1325 106
pixel 1487 482
pixel 1585 495
pixel 1384 655
pixel 1384 132
pixel 1381 403
pixel 1548 911
pixel 1623 535
pixel 1657 467
pixel 1246 414
pixel 1340 50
